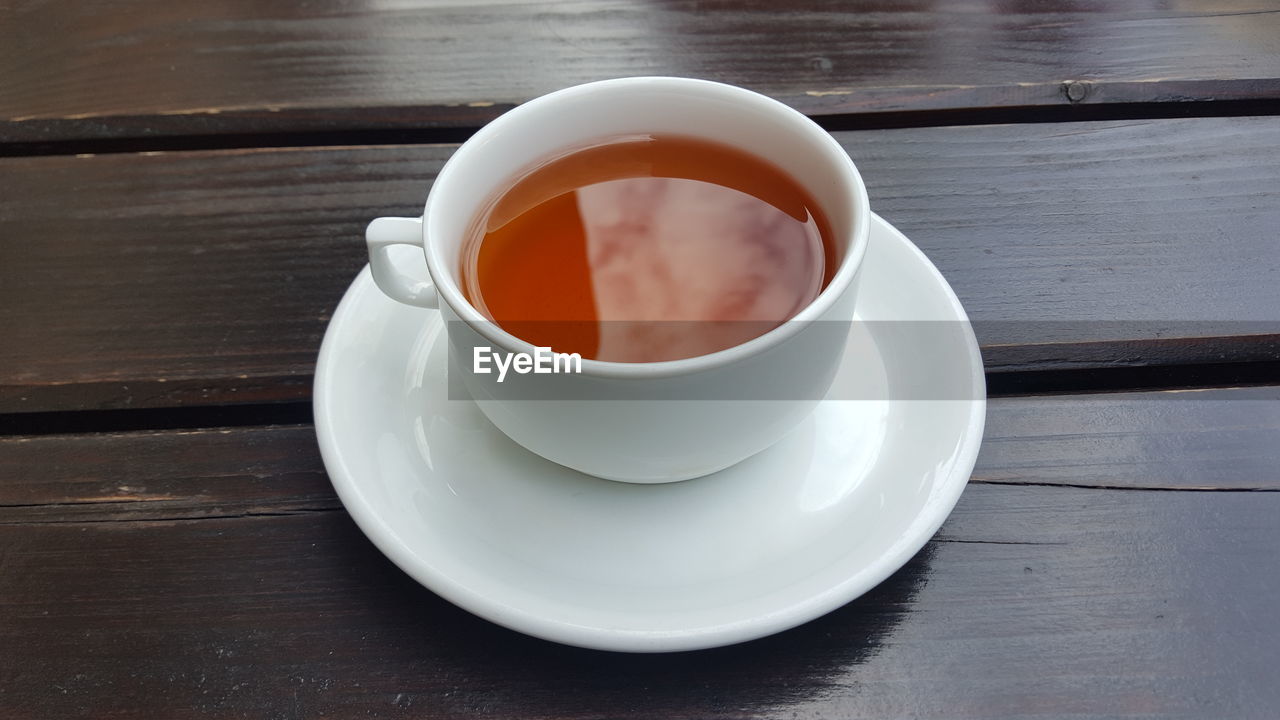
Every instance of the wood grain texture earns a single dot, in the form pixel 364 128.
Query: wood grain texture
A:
pixel 1031 600
pixel 1220 440
pixel 178 279
pixel 165 474
pixel 140 69
pixel 1178 439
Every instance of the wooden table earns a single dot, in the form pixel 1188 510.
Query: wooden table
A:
pixel 182 195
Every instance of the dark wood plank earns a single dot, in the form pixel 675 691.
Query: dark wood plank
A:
pixel 176 279
pixel 145 69
pixel 1031 600
pixel 1171 440
pixel 150 475
pixel 1177 439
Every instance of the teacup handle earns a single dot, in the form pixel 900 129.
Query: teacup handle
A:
pixel 381 234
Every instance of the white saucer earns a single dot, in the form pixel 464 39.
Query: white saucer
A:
pixel 782 538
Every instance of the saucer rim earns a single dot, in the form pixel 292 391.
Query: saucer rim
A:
pixel 910 538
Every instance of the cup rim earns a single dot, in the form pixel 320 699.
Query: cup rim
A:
pixel 443 275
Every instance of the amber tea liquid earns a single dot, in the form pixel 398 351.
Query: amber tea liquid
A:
pixel 648 248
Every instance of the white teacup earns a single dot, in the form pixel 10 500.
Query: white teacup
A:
pixel 633 421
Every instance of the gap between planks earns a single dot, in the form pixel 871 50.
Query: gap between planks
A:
pixel 235 137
